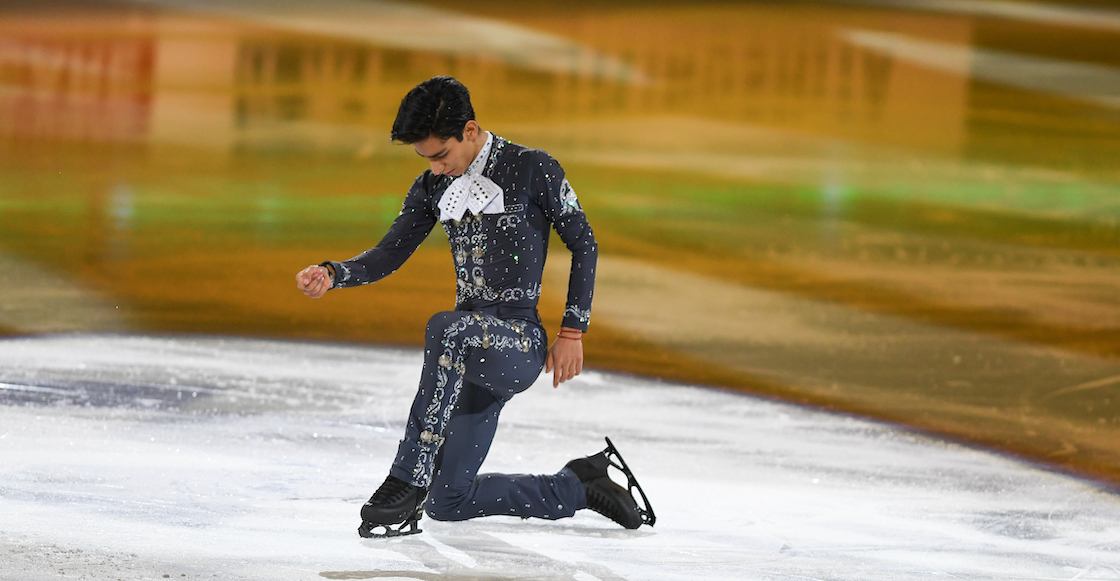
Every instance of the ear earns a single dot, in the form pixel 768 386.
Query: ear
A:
pixel 470 130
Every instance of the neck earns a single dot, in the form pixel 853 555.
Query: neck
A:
pixel 478 143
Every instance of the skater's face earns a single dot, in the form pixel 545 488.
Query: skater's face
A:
pixel 451 156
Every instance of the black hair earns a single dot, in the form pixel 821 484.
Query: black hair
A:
pixel 440 107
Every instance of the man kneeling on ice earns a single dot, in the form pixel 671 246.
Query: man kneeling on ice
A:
pixel 496 201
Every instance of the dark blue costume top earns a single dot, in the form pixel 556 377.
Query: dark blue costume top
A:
pixel 498 258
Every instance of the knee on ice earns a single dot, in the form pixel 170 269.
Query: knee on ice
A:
pixel 446 509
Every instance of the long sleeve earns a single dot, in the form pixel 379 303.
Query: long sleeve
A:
pixel 561 207
pixel 409 229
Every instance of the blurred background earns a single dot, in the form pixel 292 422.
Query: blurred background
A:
pixel 901 209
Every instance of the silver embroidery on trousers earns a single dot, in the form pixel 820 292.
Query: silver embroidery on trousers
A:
pixel 457 343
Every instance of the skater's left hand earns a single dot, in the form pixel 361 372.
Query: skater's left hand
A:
pixel 565 357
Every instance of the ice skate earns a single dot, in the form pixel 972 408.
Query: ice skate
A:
pixel 605 496
pixel 396 502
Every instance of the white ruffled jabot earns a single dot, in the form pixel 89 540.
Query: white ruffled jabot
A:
pixel 473 192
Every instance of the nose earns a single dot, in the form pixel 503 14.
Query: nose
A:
pixel 438 167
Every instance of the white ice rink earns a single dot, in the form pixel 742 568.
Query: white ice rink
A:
pixel 152 458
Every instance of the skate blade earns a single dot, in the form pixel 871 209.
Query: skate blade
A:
pixel 644 509
pixel 369 530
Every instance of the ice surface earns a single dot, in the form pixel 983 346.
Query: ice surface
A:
pixel 196 458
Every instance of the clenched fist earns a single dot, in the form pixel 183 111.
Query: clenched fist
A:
pixel 314 281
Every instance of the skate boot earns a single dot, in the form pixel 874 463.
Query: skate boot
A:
pixel 396 502
pixel 606 497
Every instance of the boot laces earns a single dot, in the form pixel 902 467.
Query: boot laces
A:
pixel 392 491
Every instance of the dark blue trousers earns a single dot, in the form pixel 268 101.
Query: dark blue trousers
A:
pixel 473 364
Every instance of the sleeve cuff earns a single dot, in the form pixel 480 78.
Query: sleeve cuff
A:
pixel 576 318
pixel 340 273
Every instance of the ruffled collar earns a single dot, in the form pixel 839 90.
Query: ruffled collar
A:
pixel 472 190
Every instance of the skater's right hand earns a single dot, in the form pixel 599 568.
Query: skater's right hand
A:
pixel 314 281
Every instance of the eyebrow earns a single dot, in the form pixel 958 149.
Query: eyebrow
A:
pixel 441 153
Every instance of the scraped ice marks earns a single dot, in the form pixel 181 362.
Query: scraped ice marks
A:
pixel 100 394
pixel 196 375
pixel 384 575
pixel 473 551
pixel 1022 524
pixel 200 394
pixel 451 552
pixel 22 553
